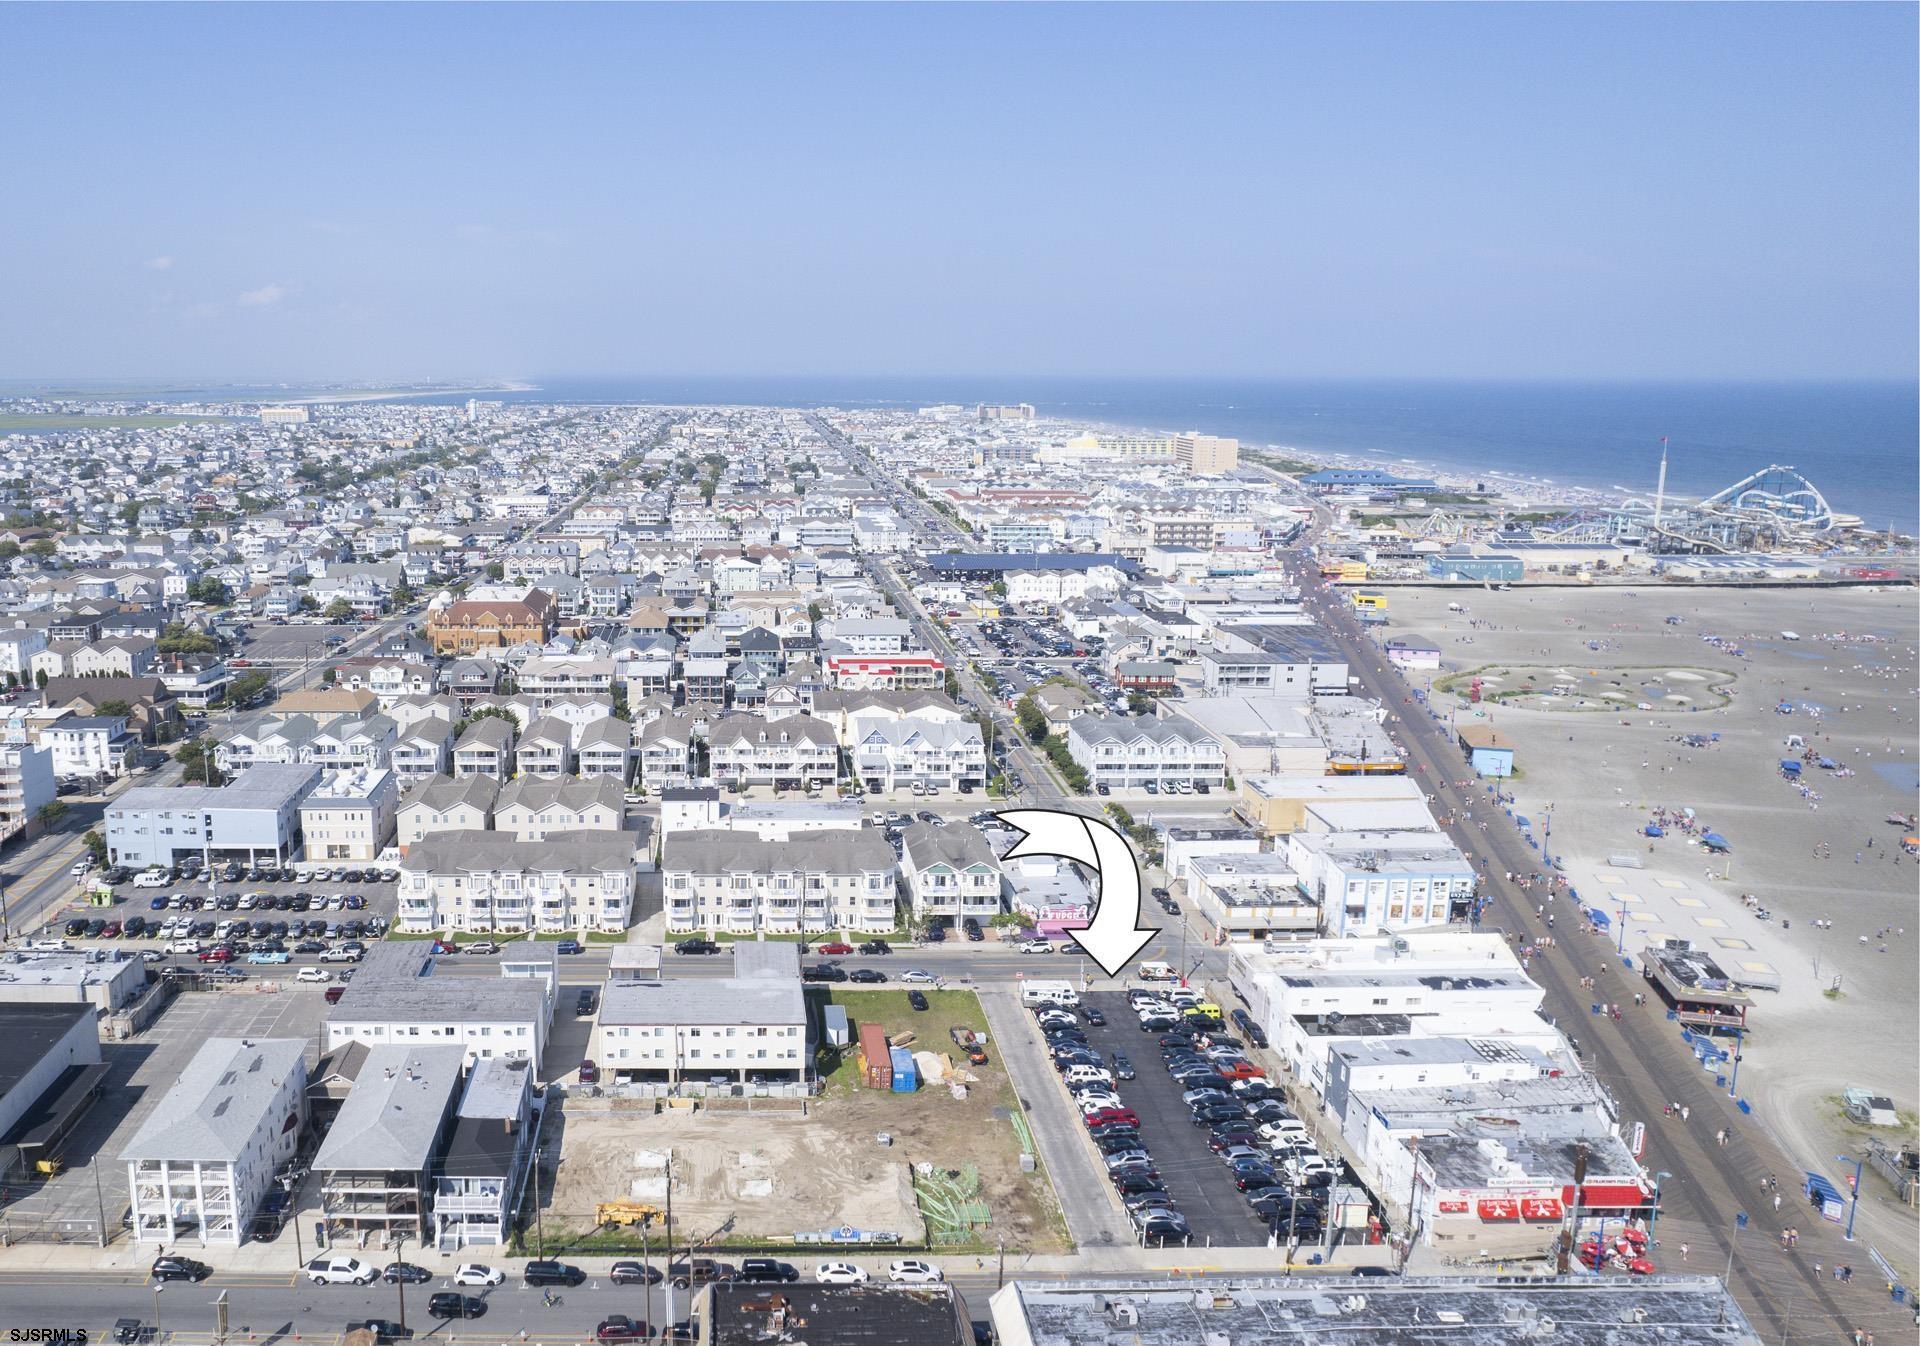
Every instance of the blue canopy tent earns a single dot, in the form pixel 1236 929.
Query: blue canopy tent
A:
pixel 1713 841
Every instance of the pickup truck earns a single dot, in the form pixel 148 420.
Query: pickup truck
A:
pixel 340 956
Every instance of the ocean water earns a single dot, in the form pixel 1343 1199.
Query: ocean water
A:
pixel 1859 443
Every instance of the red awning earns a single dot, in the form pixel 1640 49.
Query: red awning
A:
pixel 1540 1208
pixel 1499 1210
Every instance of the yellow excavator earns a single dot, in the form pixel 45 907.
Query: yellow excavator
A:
pixel 626 1212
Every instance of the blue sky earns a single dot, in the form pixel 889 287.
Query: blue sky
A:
pixel 1546 191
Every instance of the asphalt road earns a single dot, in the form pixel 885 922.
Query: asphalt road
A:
pixel 1640 1059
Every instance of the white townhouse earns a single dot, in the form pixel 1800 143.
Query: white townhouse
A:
pixel 423 749
pixel 493 1018
pixel 446 804
pixel 1128 752
pixel 892 754
pixel 796 751
pixel 663 749
pixel 604 748
pixel 350 814
pixel 207 1155
pixel 744 1028
pixel 812 881
pixel 951 873
pixel 531 808
pixel 546 678
pixel 545 749
pixel 493 882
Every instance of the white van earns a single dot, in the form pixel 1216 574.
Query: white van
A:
pixel 1088 1075
pixel 1156 972
pixel 150 878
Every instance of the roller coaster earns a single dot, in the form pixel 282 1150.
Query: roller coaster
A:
pixel 1773 508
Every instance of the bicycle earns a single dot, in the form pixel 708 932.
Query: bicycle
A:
pixel 551 1300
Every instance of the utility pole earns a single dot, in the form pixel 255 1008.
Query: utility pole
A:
pixel 399 1282
pixel 539 1225
pixel 100 1200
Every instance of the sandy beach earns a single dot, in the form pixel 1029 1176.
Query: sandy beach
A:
pixel 1809 852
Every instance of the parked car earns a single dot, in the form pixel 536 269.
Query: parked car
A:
pixel 766 1270
pixel 834 949
pixel 340 1270
pixel 619 1327
pixel 382 1329
pixel 696 946
pixel 405 1273
pixel 479 1274
pixel 699 1271
pixel 634 1273
pixel 917 1000
pixel 447 1304
pixel 912 1271
pixel 179 1269
pixel 868 975
pixel 839 1273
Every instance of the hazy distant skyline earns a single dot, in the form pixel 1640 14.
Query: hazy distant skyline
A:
pixel 1525 192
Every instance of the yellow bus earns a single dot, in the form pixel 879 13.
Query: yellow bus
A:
pixel 1370 602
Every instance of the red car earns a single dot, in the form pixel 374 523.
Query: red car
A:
pixel 619 1327
pixel 1106 1115
pixel 835 948
pixel 219 953
pixel 1242 1070
pixel 589 1072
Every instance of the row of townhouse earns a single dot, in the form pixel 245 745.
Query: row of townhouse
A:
pixel 1129 752
pixel 334 742
pixel 835 879
pixel 492 882
pixel 528 808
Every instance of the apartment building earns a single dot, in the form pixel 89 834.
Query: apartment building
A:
pixel 1391 880
pixel 531 808
pixel 951 874
pixel 485 749
pixel 26 786
pixel 423 749
pixel 488 1156
pixel 494 882
pixel 604 748
pixel 467 625
pixel 663 749
pixel 545 749
pixel 350 814
pixel 487 1018
pixel 255 817
pixel 793 752
pixel 750 1027
pixel 812 881
pixel 98 746
pixel 201 1165
pixel 446 804
pixel 1127 752
pixel 376 1165
pixel 892 754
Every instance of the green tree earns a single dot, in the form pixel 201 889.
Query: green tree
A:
pixel 813 613
pixel 96 846
pixel 195 757
pixel 51 812
pixel 484 713
pixel 179 638
pixel 1033 720
pixel 496 571
pixel 115 706
pixel 339 610
pixel 953 684
pixel 328 676
pixel 9 549
pixel 1139 703
pixel 43 548
pixel 40 678
pixel 206 589
pixel 130 513
pixel 998 588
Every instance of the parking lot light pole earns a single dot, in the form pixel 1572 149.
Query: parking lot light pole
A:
pixel 1853 1208
pixel 158 1286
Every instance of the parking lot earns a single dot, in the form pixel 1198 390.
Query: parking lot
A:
pixel 307 908
pixel 1217 1213
pixel 138 1073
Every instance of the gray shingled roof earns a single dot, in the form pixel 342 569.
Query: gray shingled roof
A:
pixel 538 793
pixel 391 1120
pixel 441 793
pixel 725 1000
pixel 956 845
pixel 220 1101
pixel 836 851
pixel 465 850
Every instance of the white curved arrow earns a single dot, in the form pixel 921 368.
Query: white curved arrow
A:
pixel 1115 934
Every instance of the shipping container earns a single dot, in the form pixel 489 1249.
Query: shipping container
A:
pixel 906 1076
pixel 876 1057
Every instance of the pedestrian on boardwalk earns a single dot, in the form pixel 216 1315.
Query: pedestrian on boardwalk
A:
pixel 1776 1201
pixel 1685 1112
pixel 1684 1250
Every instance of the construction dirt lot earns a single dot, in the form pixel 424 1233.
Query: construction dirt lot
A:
pixel 768 1174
